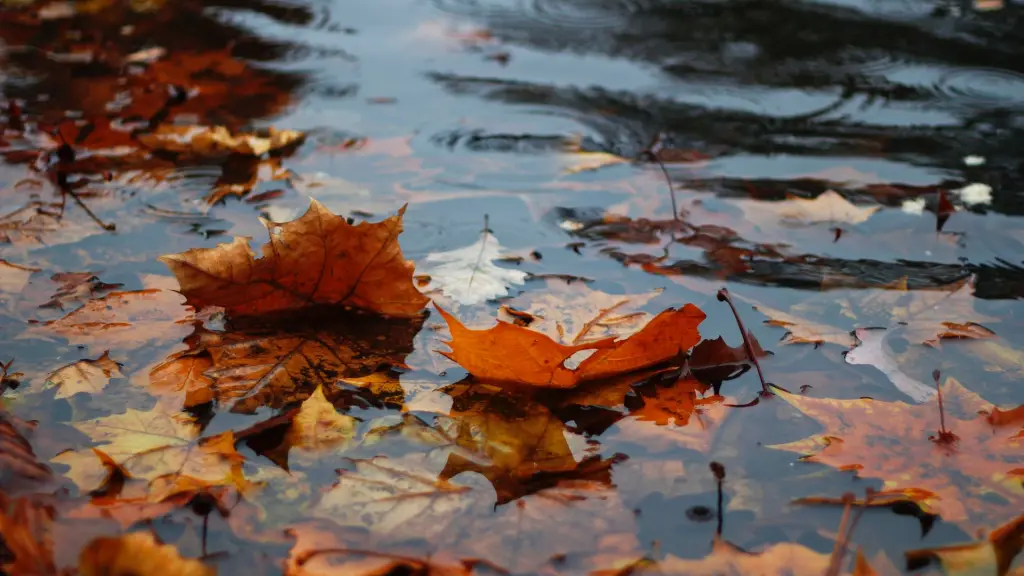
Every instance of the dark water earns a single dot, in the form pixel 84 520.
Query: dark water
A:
pixel 467 108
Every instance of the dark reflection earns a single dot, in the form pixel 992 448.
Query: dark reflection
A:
pixel 959 68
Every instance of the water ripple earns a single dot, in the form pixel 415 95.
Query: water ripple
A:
pixel 592 14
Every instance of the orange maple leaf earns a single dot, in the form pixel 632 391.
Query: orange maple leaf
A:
pixel 513 354
pixel 317 259
pixel 973 477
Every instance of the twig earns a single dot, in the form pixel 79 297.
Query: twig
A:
pixel 668 180
pixel 945 436
pixel 483 244
pixel 723 296
pixel 719 471
pixel 597 319
pixel 846 529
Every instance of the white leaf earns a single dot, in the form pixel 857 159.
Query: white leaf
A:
pixel 468 275
pixel 872 352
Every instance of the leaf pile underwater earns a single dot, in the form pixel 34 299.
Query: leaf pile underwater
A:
pixel 473 352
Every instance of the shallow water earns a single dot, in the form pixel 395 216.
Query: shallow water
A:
pixel 475 111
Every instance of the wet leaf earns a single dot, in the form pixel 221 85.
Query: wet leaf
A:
pixel 88 376
pixel 827 207
pixel 317 259
pixel 513 354
pixel 469 275
pixel 318 426
pixel 121 321
pixel 136 553
pixel 975 476
pixel 149 445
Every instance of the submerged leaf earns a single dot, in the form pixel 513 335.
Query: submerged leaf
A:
pixel 89 376
pixel 972 468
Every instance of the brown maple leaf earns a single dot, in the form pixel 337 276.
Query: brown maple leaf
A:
pixel 317 259
pixel 121 321
pixel 513 354
pixel 969 472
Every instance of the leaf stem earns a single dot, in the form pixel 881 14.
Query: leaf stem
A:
pixel 719 471
pixel 723 296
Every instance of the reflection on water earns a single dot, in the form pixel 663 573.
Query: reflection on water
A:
pixel 632 144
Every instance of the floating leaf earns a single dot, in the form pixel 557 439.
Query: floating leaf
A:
pixel 317 259
pixel 513 354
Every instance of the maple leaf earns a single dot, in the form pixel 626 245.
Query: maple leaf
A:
pixel 925 316
pixel 402 501
pixel 513 354
pixel 994 555
pixel 89 376
pixel 469 275
pixel 216 141
pixel 280 358
pixel 121 320
pixel 317 259
pixel 136 553
pixel 829 206
pixel 150 445
pixel 972 475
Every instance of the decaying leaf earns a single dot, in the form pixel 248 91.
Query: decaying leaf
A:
pixel 14 277
pixel 136 553
pixel 513 354
pixel 469 275
pixel 217 140
pixel 317 259
pixel 802 331
pixel 970 473
pixel 89 376
pixel 994 555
